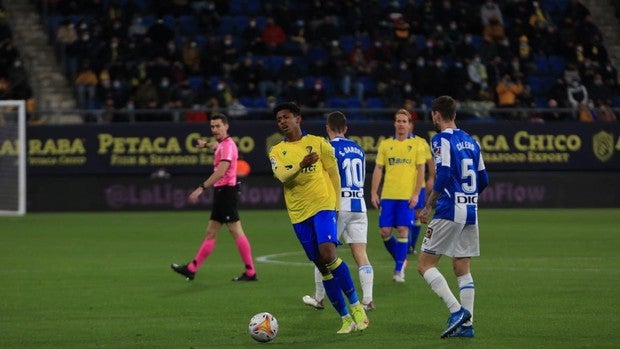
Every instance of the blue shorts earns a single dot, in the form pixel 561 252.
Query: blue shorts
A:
pixel 316 230
pixel 395 213
pixel 421 198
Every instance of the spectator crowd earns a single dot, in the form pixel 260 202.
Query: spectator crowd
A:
pixel 231 56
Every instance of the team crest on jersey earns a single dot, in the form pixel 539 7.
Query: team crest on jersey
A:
pixel 274 163
pixel 409 148
pixel 309 149
pixel 429 233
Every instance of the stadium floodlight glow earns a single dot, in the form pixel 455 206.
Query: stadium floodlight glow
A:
pixel 13 157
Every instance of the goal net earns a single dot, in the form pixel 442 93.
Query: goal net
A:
pixel 12 158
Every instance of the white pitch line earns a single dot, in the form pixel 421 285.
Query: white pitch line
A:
pixel 270 258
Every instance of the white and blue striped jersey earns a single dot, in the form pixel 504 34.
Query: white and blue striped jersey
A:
pixel 461 176
pixel 352 167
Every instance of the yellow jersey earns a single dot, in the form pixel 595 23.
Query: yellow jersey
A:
pixel 310 190
pixel 400 160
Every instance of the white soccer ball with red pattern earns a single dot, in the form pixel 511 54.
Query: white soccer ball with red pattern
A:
pixel 263 327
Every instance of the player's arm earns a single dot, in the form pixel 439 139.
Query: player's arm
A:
pixel 330 165
pixel 287 172
pixel 219 172
pixel 377 174
pixel 334 177
pixel 483 176
pixel 419 182
pixel 430 181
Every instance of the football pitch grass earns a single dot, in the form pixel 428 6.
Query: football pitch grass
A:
pixel 546 279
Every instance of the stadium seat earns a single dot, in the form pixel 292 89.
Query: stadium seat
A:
pixel 240 23
pixel 542 65
pixel 375 103
pixel 196 82
pixel 188 25
pixel 370 87
pixel 427 100
pixel 227 25
pixel 347 42
pixel 316 53
pixel 253 7
pixel 557 64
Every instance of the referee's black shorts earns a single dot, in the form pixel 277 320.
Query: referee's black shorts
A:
pixel 225 200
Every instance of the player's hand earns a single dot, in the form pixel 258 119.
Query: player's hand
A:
pixel 374 199
pixel 309 160
pixel 193 197
pixel 413 201
pixel 424 214
pixel 201 143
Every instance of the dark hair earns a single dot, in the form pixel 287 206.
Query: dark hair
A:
pixel 336 121
pixel 446 106
pixel 290 106
pixel 220 116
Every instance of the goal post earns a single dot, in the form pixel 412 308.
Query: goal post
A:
pixel 13 157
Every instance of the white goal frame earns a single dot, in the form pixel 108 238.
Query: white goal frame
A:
pixel 21 157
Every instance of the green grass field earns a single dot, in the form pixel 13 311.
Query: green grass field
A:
pixel 546 279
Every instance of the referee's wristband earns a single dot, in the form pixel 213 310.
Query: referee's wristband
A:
pixel 202 185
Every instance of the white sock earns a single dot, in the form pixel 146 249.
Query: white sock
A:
pixel 467 293
pixel 366 280
pixel 440 286
pixel 319 290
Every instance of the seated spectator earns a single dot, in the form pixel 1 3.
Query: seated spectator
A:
pixel 598 91
pixel 236 110
pixel 137 29
pixel 230 55
pixel 577 94
pixel 196 114
pixel 295 91
pixel 289 72
pixel 490 10
pixel 251 35
pixel 317 95
pixel 86 87
pixel 145 94
pixel 508 92
pixel 273 37
pixel 494 31
pixel 605 113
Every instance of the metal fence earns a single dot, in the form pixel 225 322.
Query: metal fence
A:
pixel 360 114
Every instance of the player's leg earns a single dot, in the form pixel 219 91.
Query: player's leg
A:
pixel 467 247
pixel 461 267
pixel 316 300
pixel 208 244
pixel 438 241
pixel 387 219
pixel 326 233
pixel 245 251
pixel 353 230
pixel 403 219
pixel 366 274
pixel 307 236
pixel 414 230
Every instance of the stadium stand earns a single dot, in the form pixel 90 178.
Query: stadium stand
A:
pixel 353 48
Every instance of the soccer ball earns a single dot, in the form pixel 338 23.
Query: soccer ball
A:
pixel 263 327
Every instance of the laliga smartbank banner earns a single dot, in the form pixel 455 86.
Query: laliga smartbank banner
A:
pixel 143 148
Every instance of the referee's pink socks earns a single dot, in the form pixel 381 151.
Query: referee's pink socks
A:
pixel 245 251
pixel 205 250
